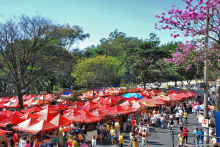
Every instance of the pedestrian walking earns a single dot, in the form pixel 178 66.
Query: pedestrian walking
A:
pixel 93 141
pixel 121 139
pixel 185 116
pixel 134 142
pixel 201 137
pixel 181 140
pixel 181 124
pixel 113 137
pixel 144 137
pixel 140 128
pixel 196 136
pixel 185 131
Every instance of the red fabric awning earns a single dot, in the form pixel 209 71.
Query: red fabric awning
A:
pixel 105 108
pixel 110 101
pixel 98 113
pixel 138 105
pixel 76 105
pixel 29 115
pixel 41 126
pixel 88 118
pixel 60 120
pixel 117 110
pixel 73 115
pixel 32 109
pixel 152 101
pixel 2 132
pixel 59 107
pixel 25 124
pixel 13 119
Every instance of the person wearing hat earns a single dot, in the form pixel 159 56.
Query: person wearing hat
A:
pixel 214 141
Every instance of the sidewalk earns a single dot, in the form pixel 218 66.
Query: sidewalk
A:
pixel 161 137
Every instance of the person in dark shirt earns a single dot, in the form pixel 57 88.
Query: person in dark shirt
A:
pixel 84 133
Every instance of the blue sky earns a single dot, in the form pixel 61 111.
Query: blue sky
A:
pixel 136 18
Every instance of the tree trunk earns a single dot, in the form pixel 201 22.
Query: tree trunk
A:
pixel 20 95
pixel 144 85
pixel 93 93
pixel 175 83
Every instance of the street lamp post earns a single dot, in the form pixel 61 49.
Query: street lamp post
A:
pixel 206 139
pixel 43 92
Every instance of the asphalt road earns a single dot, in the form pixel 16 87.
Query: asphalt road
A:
pixel 161 137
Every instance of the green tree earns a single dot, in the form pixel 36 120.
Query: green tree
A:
pixel 96 72
pixel 30 47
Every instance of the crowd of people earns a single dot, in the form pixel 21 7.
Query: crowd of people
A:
pixel 139 124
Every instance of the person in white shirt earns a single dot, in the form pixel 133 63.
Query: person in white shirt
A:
pixel 152 121
pixel 177 117
pixel 140 128
pixel 181 113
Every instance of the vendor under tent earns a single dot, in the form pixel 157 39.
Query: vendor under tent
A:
pixel 13 119
pixel 25 124
pixel 43 125
pixel 98 113
pixel 60 120
pixel 76 105
pixel 128 95
pixel 32 109
pixel 30 115
pixel 3 132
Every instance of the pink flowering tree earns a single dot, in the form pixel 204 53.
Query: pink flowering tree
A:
pixel 191 22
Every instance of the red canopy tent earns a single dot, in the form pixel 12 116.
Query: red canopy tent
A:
pixel 138 105
pixel 41 126
pixel 7 113
pixel 105 108
pixel 132 99
pixel 73 115
pixel 98 100
pixel 48 109
pixel 98 113
pixel 60 120
pixel 28 97
pixel 76 105
pixel 110 101
pixel 2 132
pixel 13 119
pixel 59 107
pixel 168 98
pixel 89 105
pixel 32 109
pixel 191 93
pixel 67 103
pixel 16 105
pixel 152 101
pixel 84 110
pixel 173 91
pixel 126 103
pixel 117 110
pixel 29 115
pixel 46 116
pixel 180 96
pixel 3 106
pixel 88 118
pixel 128 108
pixel 25 124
